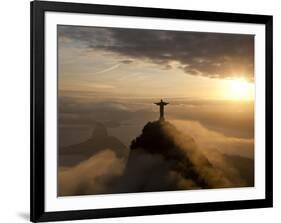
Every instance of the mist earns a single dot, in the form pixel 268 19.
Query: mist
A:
pixel 171 161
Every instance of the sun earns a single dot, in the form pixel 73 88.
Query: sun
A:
pixel 239 89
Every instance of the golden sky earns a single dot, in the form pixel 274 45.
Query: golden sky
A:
pixel 154 64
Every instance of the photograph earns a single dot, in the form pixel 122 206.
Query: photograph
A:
pixel 147 110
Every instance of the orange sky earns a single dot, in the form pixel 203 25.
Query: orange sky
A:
pixel 149 63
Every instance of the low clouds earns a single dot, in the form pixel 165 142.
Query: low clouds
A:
pixel 234 119
pixel 212 140
pixel 111 175
pixel 148 168
pixel 92 176
pixel 213 55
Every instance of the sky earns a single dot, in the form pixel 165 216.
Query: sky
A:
pixel 140 63
pixel 109 80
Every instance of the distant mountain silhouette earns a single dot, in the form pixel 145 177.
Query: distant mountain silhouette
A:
pixel 99 141
pixel 180 151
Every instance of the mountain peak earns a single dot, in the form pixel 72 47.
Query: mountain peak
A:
pixel 180 152
pixel 156 139
pixel 99 131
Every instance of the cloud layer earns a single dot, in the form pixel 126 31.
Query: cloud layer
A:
pixel 214 55
pixel 181 165
pixel 126 117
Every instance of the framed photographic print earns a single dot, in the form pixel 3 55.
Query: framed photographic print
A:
pixel 143 111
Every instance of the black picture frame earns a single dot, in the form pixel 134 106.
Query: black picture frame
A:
pixel 37 204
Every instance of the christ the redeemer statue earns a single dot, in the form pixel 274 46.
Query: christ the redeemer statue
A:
pixel 161 104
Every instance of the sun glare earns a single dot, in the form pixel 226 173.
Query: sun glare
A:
pixel 239 90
